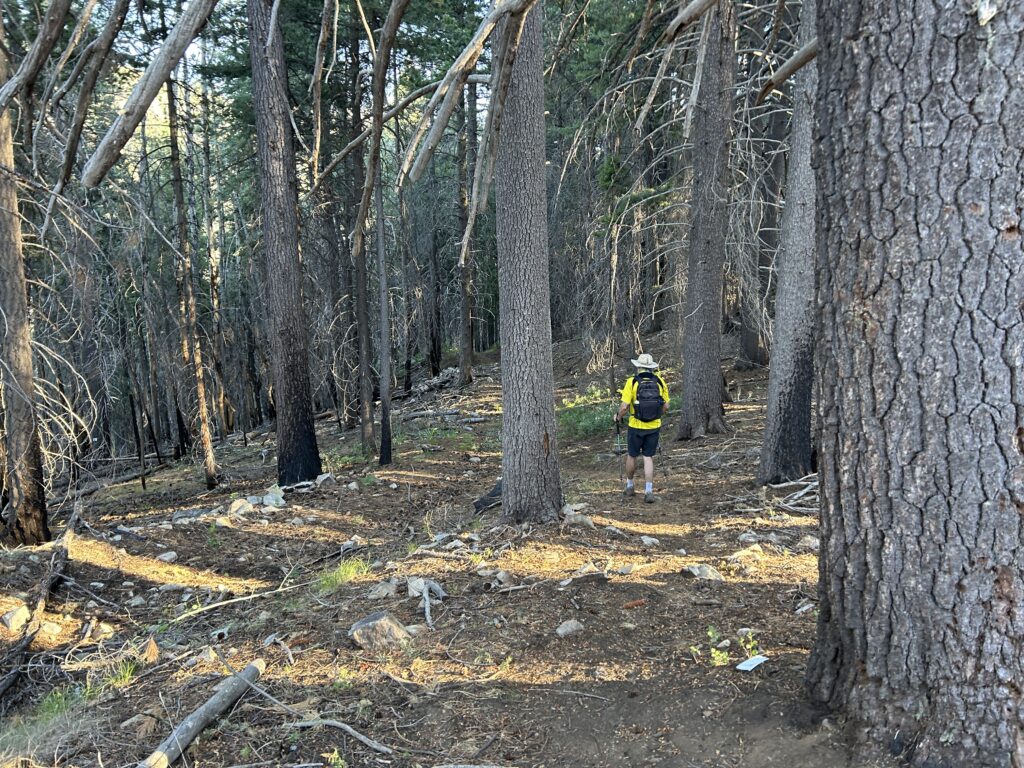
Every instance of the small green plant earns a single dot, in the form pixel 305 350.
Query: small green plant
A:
pixel 749 643
pixel 346 457
pixel 411 547
pixel 719 656
pixel 212 539
pixel 346 570
pixel 369 480
pixel 344 680
pixel 334 759
pixel 122 675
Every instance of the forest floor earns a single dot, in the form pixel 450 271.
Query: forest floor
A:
pixel 643 682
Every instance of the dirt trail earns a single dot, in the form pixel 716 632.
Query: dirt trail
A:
pixel 642 683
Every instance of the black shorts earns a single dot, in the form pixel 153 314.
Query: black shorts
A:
pixel 642 441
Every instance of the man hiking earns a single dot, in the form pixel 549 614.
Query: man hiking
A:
pixel 645 396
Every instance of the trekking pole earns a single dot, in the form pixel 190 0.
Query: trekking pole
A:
pixel 618 446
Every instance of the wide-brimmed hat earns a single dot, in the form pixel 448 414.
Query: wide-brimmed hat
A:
pixel 645 361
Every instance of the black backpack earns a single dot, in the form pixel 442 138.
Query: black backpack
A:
pixel 648 397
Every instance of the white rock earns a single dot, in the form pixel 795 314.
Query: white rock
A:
pixel 137 602
pixel 417 629
pixel 167 557
pixel 383 590
pixel 650 541
pixel 353 486
pixel 97 584
pixel 475 459
pixel 393 486
pixel 50 628
pixel 254 499
pixel 572 509
pixel 576 519
pixel 748 537
pixel 274 497
pixel 239 507
pixel 327 478
pixel 808 544
pixel 16 618
pixel 223 522
pixel 613 530
pixel 703 571
pixel 569 627
pixel 681 552
pixel 296 521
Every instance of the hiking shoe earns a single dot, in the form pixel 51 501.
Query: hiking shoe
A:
pixel 649 498
pixel 629 492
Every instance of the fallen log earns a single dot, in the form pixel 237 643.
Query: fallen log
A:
pixel 429 414
pixel 173 746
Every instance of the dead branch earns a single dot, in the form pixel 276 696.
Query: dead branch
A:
pixel 49 31
pixel 796 62
pixel 174 745
pixel 686 16
pixel 134 109
pixel 376 746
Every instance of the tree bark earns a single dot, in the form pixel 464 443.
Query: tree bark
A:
pixel 191 347
pixel 298 457
pixel 920 148
pixel 466 147
pixel 702 334
pixel 22 469
pixel 786 451
pixel 532 488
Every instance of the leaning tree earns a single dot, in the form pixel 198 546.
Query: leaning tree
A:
pixel 920 362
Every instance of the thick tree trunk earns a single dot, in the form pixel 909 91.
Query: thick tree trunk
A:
pixel 786 451
pixel 298 457
pixel 702 334
pixel 532 488
pixel 384 353
pixel 466 265
pixel 22 468
pixel 920 359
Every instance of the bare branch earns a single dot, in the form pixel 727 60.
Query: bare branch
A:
pixel 33 62
pixel 799 59
pixel 686 16
pixel 146 89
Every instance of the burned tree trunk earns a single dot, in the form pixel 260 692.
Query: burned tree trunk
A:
pixel 702 333
pixel 786 451
pixel 298 457
pixel 21 474
pixel 920 359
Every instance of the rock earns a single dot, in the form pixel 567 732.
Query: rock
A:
pixel 353 486
pixel 223 522
pixel 572 509
pixel 16 618
pixel 625 570
pixel 417 629
pixel 297 521
pixel 475 459
pixel 650 541
pixel 419 586
pixel 207 655
pixel 383 590
pixel 753 552
pixel 167 557
pixel 184 516
pixel 171 587
pixel 274 497
pixel 748 537
pixel 724 645
pixel 137 602
pixel 50 628
pixel 569 627
pixel 681 552
pixel 613 530
pixel 239 508
pixel 808 544
pixel 327 478
pixel 393 486
pixel 102 631
pixel 703 571
pixel 254 499
pixel 379 631
pixel 92 605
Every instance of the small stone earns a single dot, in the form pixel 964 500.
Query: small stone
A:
pixel 327 478
pixel 97 584
pixel 417 629
pixel 254 499
pixel 223 522
pixel 116 537
pixel 573 518
pixel 102 631
pixel 263 521
pixel 239 508
pixel 808 544
pixel 378 631
pixel 274 497
pixel 748 537
pixel 127 584
pixel 383 590
pixel 296 521
pixel 16 618
pixel 137 602
pixel 650 541
pixel 167 557
pixel 569 627
pixel 353 486
pixel 625 570
pixel 475 459
pixel 703 571
pixel 207 655
pixel 50 628
pixel 681 552
pixel 92 605
pixel 393 486
pixel 753 552
pixel 724 645
pixel 171 587
pixel 613 530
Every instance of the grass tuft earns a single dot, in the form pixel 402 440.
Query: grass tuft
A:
pixel 587 414
pixel 336 578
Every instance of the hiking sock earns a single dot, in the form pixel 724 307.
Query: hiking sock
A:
pixel 629 484
pixel 648 487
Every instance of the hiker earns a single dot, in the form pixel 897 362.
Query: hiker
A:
pixel 645 396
